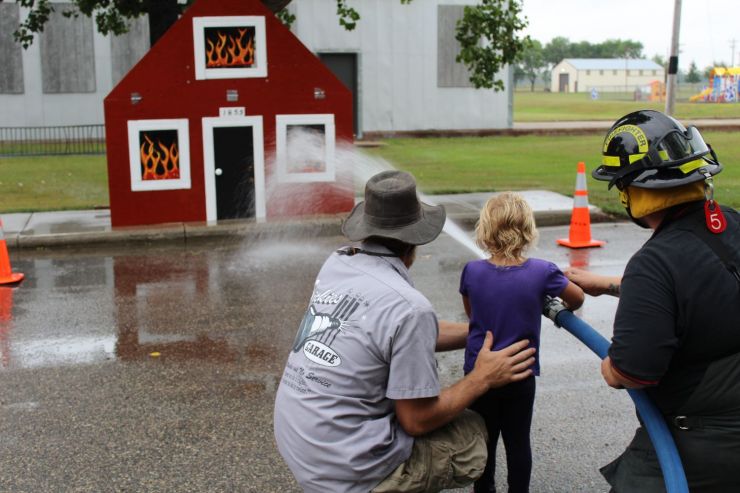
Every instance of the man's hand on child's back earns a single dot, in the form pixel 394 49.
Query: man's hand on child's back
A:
pixel 510 364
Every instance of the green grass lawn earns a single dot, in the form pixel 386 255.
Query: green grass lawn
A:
pixel 444 165
pixel 53 183
pixel 547 106
pixel 457 165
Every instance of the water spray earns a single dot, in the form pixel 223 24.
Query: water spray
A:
pixel 665 447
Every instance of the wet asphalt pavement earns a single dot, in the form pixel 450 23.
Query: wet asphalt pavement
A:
pixel 155 368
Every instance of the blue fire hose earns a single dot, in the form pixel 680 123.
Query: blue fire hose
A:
pixel 665 448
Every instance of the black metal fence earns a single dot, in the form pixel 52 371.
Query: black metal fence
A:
pixel 48 141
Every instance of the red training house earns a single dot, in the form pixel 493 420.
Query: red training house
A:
pixel 227 116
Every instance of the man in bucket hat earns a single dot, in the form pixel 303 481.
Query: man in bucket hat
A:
pixel 359 407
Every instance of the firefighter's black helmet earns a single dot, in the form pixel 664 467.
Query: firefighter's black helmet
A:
pixel 648 149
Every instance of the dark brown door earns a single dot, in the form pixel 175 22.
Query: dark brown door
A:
pixel 563 83
pixel 233 149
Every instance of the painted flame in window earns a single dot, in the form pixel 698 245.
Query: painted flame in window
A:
pixel 158 161
pixel 230 51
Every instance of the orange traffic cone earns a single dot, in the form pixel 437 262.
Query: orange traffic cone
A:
pixel 580 220
pixel 7 276
pixel 6 322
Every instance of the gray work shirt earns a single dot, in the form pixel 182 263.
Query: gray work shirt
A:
pixel 367 339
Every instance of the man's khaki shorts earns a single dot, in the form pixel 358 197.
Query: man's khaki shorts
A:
pixel 452 456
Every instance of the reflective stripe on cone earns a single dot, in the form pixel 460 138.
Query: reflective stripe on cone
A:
pixel 580 220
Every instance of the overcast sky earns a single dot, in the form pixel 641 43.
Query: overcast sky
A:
pixel 707 26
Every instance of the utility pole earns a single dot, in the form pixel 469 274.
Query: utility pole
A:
pixel 732 57
pixel 670 100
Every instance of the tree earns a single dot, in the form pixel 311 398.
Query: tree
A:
pixel 546 75
pixel 559 48
pixel 531 62
pixel 693 76
pixel 111 16
pixel 488 32
pixel 488 36
pixel 556 50
pixel 660 60
pixel 519 74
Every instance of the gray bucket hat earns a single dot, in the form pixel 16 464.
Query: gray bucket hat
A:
pixel 391 209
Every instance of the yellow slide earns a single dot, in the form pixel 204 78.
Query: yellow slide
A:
pixel 700 97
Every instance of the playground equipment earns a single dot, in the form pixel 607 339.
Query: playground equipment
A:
pixel 657 91
pixel 724 86
pixel 653 91
pixel 665 448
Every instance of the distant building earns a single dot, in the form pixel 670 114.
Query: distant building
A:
pixel 604 74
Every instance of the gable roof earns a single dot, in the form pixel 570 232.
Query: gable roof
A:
pixel 612 64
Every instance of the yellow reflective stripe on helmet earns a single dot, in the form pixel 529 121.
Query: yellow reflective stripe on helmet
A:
pixel 687 168
pixel 634 130
pixel 614 160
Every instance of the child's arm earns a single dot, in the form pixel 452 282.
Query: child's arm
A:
pixel 466 304
pixel 572 295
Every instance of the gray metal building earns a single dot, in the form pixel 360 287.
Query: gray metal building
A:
pixel 62 78
pixel 399 63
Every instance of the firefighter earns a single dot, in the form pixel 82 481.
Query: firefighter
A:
pixel 677 325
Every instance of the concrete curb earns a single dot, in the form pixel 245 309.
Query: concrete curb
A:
pixel 92 228
pixel 233 230
pixel 237 231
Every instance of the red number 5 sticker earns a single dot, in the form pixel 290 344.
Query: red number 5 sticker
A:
pixel 716 222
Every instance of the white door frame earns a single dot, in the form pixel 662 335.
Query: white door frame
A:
pixel 209 165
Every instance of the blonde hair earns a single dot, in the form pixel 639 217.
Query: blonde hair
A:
pixel 506 226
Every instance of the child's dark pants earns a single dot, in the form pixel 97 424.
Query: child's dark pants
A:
pixel 508 411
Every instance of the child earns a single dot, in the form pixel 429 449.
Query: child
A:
pixel 505 294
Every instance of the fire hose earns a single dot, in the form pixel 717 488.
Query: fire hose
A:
pixel 652 420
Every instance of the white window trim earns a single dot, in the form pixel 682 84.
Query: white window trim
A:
pixel 281 151
pixel 209 165
pixel 183 145
pixel 199 53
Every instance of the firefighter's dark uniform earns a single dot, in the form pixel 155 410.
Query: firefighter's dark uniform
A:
pixel 677 330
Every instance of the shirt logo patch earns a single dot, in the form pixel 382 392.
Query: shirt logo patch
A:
pixel 318 330
pixel 321 354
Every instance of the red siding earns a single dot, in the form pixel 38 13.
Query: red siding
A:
pixel 165 79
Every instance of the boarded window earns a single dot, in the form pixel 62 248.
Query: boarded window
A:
pixel 127 49
pixel 67 54
pixel 450 72
pixel 11 57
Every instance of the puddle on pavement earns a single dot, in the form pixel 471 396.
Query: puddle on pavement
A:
pixel 223 304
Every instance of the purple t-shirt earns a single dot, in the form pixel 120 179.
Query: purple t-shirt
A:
pixel 507 300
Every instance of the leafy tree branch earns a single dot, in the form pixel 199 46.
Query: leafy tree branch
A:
pixel 489 40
